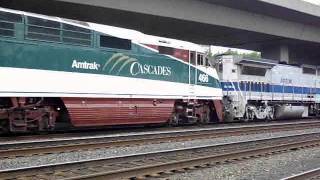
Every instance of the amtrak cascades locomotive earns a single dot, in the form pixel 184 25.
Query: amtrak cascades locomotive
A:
pixel 56 71
pixel 265 89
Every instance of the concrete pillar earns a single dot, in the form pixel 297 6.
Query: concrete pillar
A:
pixel 276 52
pixel 284 54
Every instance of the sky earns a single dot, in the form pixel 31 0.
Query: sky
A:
pixel 219 49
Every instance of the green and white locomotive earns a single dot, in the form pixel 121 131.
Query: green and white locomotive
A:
pixel 59 71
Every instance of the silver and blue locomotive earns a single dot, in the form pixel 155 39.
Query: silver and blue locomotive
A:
pixel 266 89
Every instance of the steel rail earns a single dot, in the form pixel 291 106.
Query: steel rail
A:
pixel 78 133
pixel 72 144
pixel 151 163
pixel 311 174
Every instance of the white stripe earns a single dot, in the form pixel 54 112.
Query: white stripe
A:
pixel 30 82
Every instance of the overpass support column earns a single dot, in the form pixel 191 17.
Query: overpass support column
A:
pixel 277 52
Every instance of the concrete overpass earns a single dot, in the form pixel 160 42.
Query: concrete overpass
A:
pixel 286 29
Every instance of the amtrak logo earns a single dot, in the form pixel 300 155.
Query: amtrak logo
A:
pixel 85 65
pixel 117 62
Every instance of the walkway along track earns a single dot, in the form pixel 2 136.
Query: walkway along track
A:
pixel 312 174
pixel 161 162
pixel 21 149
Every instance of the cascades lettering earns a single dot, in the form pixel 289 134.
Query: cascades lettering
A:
pixel 137 68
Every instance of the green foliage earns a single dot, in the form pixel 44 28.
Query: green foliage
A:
pixel 252 55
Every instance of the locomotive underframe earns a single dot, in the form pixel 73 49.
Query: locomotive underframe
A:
pixel 21 114
pixel 196 111
pixel 269 110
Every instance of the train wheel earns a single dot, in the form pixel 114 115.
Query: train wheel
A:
pixel 174 120
pixel 206 115
pixel 44 124
pixel 4 127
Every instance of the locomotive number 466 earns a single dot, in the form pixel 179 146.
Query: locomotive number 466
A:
pixel 204 78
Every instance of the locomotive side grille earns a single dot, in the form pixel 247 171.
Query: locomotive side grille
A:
pixel 6 29
pixel 97 112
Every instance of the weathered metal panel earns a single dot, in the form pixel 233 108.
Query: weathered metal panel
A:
pixel 219 109
pixel 100 111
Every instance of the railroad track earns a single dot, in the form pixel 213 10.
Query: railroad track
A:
pixel 311 174
pixel 95 132
pixel 160 163
pixel 29 148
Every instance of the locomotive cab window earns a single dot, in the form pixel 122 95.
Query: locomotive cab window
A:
pixel 200 60
pixel 114 42
pixel 193 57
pixel 255 71
pixel 206 61
pixel 166 50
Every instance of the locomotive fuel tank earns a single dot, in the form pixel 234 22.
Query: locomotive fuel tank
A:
pixel 289 111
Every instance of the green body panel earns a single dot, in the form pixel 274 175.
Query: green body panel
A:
pixel 137 63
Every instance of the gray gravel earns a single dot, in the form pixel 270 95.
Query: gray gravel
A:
pixel 87 135
pixel 272 167
pixel 113 152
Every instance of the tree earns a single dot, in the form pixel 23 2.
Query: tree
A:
pixel 251 55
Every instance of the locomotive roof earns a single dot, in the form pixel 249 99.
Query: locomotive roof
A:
pixel 265 63
pixel 140 37
pixel 262 63
pixel 135 36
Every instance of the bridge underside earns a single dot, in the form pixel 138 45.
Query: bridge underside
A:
pixel 203 32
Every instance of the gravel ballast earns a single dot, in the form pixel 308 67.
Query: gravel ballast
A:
pixel 113 152
pixel 271 167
